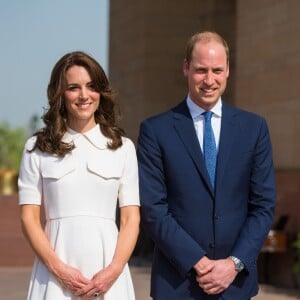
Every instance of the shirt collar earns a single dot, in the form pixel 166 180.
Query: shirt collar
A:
pixel 196 110
pixel 94 136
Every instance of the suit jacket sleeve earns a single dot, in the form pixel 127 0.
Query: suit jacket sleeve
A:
pixel 170 238
pixel 261 203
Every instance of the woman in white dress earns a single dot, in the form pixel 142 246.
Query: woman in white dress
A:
pixel 78 168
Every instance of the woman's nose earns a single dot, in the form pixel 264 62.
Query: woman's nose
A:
pixel 83 94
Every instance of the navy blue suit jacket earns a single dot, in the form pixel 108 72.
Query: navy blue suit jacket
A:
pixel 186 218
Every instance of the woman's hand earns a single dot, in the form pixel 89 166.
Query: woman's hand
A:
pixel 101 282
pixel 129 229
pixel 71 278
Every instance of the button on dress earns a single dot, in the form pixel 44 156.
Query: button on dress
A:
pixel 79 194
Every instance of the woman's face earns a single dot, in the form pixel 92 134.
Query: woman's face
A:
pixel 81 99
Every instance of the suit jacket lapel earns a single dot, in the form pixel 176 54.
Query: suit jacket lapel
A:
pixel 227 139
pixel 184 126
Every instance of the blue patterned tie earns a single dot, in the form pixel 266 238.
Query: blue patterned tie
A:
pixel 209 147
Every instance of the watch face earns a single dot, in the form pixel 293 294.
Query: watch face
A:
pixel 239 266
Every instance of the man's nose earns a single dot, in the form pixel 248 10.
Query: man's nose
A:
pixel 208 78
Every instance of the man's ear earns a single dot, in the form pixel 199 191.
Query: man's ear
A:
pixel 185 67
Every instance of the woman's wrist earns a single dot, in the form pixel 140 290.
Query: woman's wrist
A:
pixel 117 267
pixel 55 266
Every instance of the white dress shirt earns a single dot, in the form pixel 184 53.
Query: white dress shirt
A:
pixel 196 113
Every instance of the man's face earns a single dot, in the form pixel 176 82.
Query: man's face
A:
pixel 207 73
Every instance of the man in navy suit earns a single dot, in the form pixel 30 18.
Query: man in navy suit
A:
pixel 208 225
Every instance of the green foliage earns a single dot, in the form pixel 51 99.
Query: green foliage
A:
pixel 11 146
pixel 296 246
pixel 296 243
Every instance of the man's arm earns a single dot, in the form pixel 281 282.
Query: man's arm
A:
pixel 262 199
pixel 258 221
pixel 176 244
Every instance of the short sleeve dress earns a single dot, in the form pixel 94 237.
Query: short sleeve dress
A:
pixel 80 193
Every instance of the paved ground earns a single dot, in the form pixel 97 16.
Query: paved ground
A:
pixel 14 282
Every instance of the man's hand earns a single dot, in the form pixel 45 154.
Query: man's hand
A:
pixel 204 266
pixel 221 275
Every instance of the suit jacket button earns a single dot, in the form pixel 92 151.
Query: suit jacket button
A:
pixel 211 245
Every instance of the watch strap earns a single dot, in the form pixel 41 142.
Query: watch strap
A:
pixel 239 266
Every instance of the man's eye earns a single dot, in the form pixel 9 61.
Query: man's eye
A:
pixel 218 71
pixel 201 71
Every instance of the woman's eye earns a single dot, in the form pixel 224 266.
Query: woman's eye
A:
pixel 72 88
pixel 91 87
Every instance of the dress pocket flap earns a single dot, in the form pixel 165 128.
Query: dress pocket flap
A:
pixel 57 168
pixel 107 169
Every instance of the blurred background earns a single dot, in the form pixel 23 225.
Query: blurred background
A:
pixel 141 46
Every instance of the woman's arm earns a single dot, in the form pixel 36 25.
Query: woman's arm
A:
pixel 129 230
pixel 68 277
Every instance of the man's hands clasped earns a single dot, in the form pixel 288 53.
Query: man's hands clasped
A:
pixel 214 276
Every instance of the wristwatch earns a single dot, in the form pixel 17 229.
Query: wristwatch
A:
pixel 239 266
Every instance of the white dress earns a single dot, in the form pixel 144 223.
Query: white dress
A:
pixel 80 193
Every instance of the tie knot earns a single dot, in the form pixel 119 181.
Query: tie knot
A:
pixel 207 115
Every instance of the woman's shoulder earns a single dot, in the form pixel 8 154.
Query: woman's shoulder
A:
pixel 30 143
pixel 127 144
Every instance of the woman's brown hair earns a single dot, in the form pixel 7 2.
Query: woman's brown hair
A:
pixel 49 138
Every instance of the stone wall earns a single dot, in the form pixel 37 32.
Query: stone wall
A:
pixel 268 71
pixel 147 48
pixel 14 249
pixel 276 268
pixel 267 82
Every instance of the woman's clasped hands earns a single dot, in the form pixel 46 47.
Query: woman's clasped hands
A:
pixel 98 285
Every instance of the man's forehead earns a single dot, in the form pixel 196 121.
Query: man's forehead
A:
pixel 210 49
pixel 214 45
